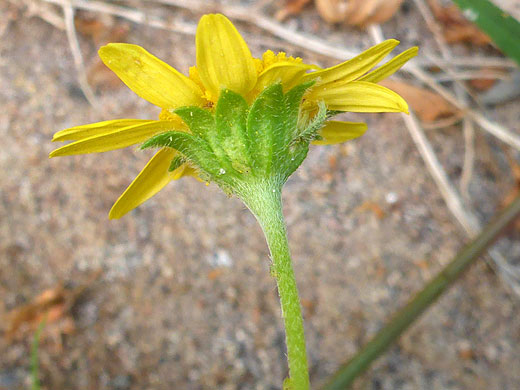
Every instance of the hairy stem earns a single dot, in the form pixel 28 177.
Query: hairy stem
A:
pixel 265 203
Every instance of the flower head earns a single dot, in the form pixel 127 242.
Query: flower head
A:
pixel 235 119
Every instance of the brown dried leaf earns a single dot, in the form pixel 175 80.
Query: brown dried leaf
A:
pixel 357 12
pixel 384 12
pixel 333 11
pixel 91 28
pixel 482 84
pixel 455 26
pixel 290 8
pixel 48 304
pixel 466 33
pixel 428 105
pixel 362 12
pixel 52 305
pixel 101 29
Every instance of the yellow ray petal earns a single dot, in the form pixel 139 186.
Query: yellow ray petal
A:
pixel 150 181
pixel 359 96
pixel 355 67
pixel 223 58
pixel 85 131
pixel 391 66
pixel 120 138
pixel 149 77
pixel 336 132
pixel 288 73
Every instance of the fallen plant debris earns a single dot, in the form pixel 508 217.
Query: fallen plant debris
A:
pixel 291 8
pixel 357 12
pixel 456 27
pixel 101 31
pixel 502 91
pixel 428 105
pixel 333 11
pixel 52 306
pixel 482 84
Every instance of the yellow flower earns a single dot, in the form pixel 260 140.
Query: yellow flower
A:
pixel 224 61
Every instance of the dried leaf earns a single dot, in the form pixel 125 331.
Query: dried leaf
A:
pixel 456 27
pixel 101 30
pixel 502 91
pixel 428 105
pixel 48 305
pixel 482 84
pixel 333 11
pixel 362 12
pixel 357 12
pixel 290 8
pixel 52 305
pixel 91 28
pixel 466 33
pixel 384 12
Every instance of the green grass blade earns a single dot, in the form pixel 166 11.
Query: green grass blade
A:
pixel 35 364
pixel 501 27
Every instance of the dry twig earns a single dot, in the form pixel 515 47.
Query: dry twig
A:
pixel 469 158
pixel 460 92
pixel 472 75
pixel 68 12
pixel 45 12
pixel 127 13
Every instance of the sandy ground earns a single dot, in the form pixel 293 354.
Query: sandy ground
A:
pixel 184 299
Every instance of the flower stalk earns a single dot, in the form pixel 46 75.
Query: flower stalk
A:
pixel 265 202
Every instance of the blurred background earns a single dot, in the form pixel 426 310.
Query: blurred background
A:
pixel 177 294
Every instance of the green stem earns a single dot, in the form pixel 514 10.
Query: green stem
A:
pixel 264 201
pixel 35 365
pixel 424 299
